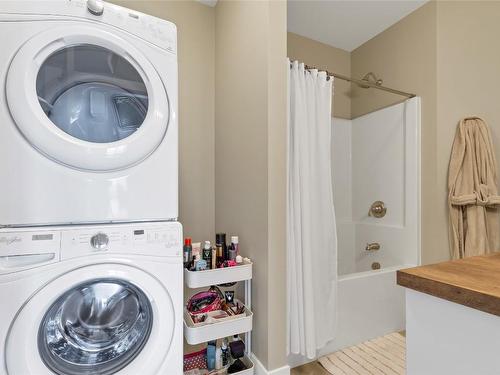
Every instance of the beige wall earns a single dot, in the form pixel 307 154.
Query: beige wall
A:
pixel 196 56
pixel 468 61
pixel 239 164
pixel 404 56
pixel 277 173
pixel 250 155
pixel 326 57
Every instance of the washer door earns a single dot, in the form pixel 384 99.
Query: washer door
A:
pixel 87 98
pixel 95 327
pixel 107 323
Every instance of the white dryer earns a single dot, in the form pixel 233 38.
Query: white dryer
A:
pixel 88 114
pixel 92 300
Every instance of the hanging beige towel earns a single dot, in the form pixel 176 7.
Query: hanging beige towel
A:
pixel 473 194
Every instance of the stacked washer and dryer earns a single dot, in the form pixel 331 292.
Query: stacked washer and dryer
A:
pixel 90 246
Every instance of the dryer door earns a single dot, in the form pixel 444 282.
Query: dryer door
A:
pixel 100 319
pixel 87 98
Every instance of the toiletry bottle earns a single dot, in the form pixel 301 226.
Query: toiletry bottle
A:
pixel 225 352
pixel 220 256
pixel 187 252
pixel 207 253
pixel 196 249
pixel 220 239
pixel 218 356
pixel 214 258
pixel 211 355
pixel 232 252
pixel 196 258
pixel 233 248
pixel 235 243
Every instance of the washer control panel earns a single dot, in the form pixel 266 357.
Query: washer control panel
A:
pixel 95 7
pixel 26 248
pixel 153 239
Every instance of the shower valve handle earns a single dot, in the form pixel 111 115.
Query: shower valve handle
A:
pixel 377 209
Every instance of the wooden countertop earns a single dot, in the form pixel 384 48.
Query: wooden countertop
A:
pixel 472 282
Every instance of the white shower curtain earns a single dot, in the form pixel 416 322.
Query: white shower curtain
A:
pixel 311 228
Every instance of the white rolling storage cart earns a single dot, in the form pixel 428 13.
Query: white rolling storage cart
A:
pixel 199 333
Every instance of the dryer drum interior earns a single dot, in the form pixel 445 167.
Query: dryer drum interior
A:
pixel 97 327
pixel 92 93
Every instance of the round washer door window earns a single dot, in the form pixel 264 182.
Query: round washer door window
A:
pixel 101 318
pixel 96 327
pixel 87 99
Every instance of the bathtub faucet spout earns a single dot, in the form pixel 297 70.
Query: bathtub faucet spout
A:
pixel 374 246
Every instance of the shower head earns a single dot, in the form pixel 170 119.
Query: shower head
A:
pixel 372 78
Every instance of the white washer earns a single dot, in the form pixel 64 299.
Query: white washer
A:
pixel 92 300
pixel 88 114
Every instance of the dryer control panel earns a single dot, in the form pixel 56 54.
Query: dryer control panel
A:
pixel 157 31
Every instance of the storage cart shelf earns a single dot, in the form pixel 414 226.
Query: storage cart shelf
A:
pixel 201 279
pixel 199 333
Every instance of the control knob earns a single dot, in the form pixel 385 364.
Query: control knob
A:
pixel 96 7
pixel 100 241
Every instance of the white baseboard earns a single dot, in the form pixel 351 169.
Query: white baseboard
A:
pixel 261 370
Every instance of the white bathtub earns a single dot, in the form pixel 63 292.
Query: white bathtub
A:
pixel 370 304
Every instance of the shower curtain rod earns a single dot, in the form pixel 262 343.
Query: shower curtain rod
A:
pixel 361 82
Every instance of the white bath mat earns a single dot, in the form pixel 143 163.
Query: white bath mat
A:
pixel 381 356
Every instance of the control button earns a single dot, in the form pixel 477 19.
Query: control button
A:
pixel 100 241
pixel 96 7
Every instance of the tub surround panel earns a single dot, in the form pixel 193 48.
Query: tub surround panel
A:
pixel 376 157
pixel 342 188
pixel 471 282
pixel 342 168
